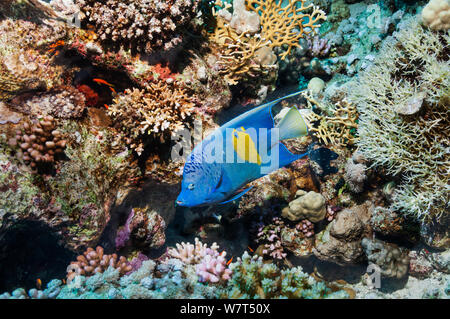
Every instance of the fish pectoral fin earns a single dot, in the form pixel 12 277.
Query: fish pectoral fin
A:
pixel 237 196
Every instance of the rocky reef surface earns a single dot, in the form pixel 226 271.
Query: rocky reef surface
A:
pixel 95 96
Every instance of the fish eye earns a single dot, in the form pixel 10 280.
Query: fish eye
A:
pixel 191 186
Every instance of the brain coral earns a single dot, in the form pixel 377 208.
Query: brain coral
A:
pixel 146 25
pixel 403 100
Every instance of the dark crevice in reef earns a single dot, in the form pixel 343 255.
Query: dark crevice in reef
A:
pixel 30 250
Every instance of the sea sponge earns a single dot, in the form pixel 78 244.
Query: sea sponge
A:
pixel 309 206
pixel 436 15
pixel 413 146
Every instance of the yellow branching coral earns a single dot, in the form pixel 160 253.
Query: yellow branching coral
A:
pixel 334 129
pixel 286 24
pixel 250 55
pixel 159 110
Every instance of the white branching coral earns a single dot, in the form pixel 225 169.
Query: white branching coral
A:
pixel 411 141
pixel 193 253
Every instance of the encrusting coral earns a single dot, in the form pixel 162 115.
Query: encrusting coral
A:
pixel 40 142
pixel 96 261
pixel 68 103
pixel 412 68
pixel 145 25
pixel 392 260
pixel 309 206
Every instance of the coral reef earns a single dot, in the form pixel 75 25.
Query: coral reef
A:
pixel 355 175
pixel 403 70
pixel 340 241
pixel 392 260
pixel 23 67
pixel 278 25
pixel 160 110
pixel 213 269
pixel 309 206
pixel 270 239
pixel 96 261
pixel 143 228
pixel 69 103
pixel 92 112
pixel 254 279
pixel 335 129
pixel 39 142
pixel 146 26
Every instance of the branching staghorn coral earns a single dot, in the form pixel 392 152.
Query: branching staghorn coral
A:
pixel 159 110
pixel 404 125
pixel 249 54
pixel 333 129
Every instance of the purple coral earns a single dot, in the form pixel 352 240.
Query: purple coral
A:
pixel 271 237
pixel 210 265
pixel 318 47
pixel 213 269
pixel 123 235
pixel 306 227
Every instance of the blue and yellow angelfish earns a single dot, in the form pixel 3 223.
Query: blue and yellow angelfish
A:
pixel 242 150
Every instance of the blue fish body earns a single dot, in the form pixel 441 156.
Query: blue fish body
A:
pixel 237 153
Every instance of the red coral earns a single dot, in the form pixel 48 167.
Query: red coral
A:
pixel 164 72
pixel 90 95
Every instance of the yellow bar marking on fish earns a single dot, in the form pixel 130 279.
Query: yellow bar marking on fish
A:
pixel 245 147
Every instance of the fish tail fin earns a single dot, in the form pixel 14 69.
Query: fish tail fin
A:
pixel 293 124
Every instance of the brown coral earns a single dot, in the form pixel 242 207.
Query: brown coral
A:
pixel 141 24
pixel 159 110
pixel 96 261
pixel 40 142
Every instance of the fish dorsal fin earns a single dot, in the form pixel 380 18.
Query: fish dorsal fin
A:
pixel 292 125
pixel 260 116
pixel 237 196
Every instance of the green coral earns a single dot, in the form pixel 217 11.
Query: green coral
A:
pixel 17 190
pixel 91 172
pixel 404 124
pixel 253 279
